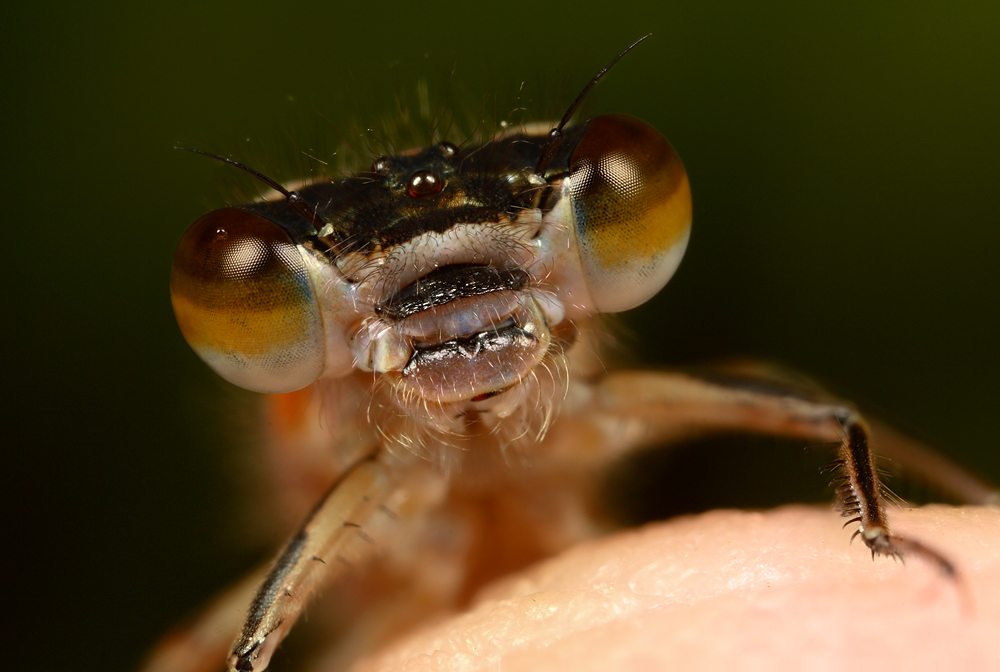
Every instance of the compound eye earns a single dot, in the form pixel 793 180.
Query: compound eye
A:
pixel 245 304
pixel 632 205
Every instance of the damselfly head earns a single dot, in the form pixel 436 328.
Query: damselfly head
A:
pixel 454 274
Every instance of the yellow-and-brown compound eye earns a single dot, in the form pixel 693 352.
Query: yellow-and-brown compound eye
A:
pixel 632 210
pixel 245 303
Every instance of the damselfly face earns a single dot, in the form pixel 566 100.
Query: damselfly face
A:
pixel 456 275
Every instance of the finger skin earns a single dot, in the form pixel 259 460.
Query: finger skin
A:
pixel 781 589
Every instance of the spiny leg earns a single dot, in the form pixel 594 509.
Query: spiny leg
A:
pixel 673 404
pixel 201 643
pixel 905 454
pixel 342 531
pixel 861 498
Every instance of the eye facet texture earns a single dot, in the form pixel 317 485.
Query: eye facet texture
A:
pixel 245 303
pixel 632 206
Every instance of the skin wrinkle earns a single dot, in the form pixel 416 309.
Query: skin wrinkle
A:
pixel 683 594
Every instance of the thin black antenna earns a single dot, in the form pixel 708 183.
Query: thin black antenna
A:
pixel 300 206
pixel 551 145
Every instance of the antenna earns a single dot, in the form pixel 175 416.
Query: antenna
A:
pixel 551 145
pixel 297 203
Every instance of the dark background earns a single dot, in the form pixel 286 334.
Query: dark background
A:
pixel 843 158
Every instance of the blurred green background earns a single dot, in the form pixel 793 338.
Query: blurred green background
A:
pixel 843 157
